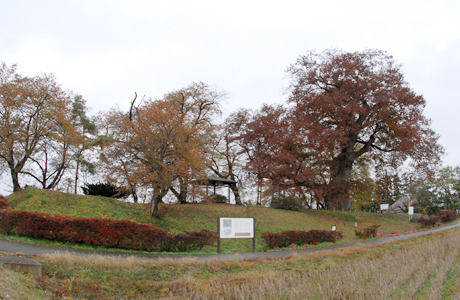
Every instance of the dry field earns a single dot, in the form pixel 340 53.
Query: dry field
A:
pixel 429 270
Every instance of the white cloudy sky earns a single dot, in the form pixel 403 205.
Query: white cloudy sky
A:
pixel 107 50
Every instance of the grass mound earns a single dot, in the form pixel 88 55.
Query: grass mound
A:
pixel 195 217
pixel 79 206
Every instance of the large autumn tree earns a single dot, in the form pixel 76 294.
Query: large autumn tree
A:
pixel 201 105
pixel 279 157
pixel 342 106
pixel 160 143
pixel 35 130
pixel 359 103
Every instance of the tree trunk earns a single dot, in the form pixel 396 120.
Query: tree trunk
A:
pixel 236 193
pixel 157 197
pixel 134 194
pixel 15 179
pixel 77 169
pixel 154 206
pixel 338 196
pixel 15 169
pixel 183 191
pixel 182 194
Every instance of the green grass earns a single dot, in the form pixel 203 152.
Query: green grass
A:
pixel 52 202
pixel 194 217
pixel 389 222
pixel 450 286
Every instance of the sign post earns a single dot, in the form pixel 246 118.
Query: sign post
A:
pixel 411 212
pixel 236 228
pixel 384 207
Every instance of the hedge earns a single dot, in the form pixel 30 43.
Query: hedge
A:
pixel 430 221
pixel 447 215
pixel 299 237
pixel 121 234
pixel 3 202
pixel 367 232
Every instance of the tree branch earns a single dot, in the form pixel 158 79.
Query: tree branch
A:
pixel 132 106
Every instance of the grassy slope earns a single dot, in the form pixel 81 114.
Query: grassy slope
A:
pixel 193 217
pixel 15 285
pixel 52 202
pixel 389 222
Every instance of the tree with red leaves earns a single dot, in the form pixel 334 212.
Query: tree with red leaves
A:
pixel 342 106
pixel 356 104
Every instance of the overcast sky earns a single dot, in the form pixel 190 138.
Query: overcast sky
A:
pixel 107 50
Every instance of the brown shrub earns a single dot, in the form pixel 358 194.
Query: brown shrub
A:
pixel 3 202
pixel 447 215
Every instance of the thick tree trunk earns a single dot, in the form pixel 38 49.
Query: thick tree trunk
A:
pixel 15 179
pixel 14 171
pixel 134 194
pixel 182 194
pixel 154 206
pixel 157 197
pixel 338 196
pixel 236 193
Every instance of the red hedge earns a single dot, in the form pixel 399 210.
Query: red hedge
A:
pixel 183 242
pixel 100 232
pixel 299 237
pixel 430 221
pixel 3 202
pixel 368 232
pixel 447 215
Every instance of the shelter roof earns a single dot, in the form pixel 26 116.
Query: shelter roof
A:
pixel 213 180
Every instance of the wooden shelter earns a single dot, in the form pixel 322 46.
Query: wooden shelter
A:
pixel 214 182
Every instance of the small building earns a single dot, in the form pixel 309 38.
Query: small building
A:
pixel 216 182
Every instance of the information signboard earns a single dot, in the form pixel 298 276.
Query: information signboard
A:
pixel 384 206
pixel 411 210
pixel 236 228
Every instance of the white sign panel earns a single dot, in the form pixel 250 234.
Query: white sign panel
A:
pixel 411 210
pixel 384 206
pixel 236 228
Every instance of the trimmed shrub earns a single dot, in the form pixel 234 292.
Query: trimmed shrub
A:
pixel 299 237
pixel 367 232
pixel 3 202
pixel 287 203
pixel 104 189
pixel 219 199
pixel 183 242
pixel 203 238
pixel 430 221
pixel 121 234
pixel 91 231
pixel 447 215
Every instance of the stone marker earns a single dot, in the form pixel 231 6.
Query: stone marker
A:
pixel 22 264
